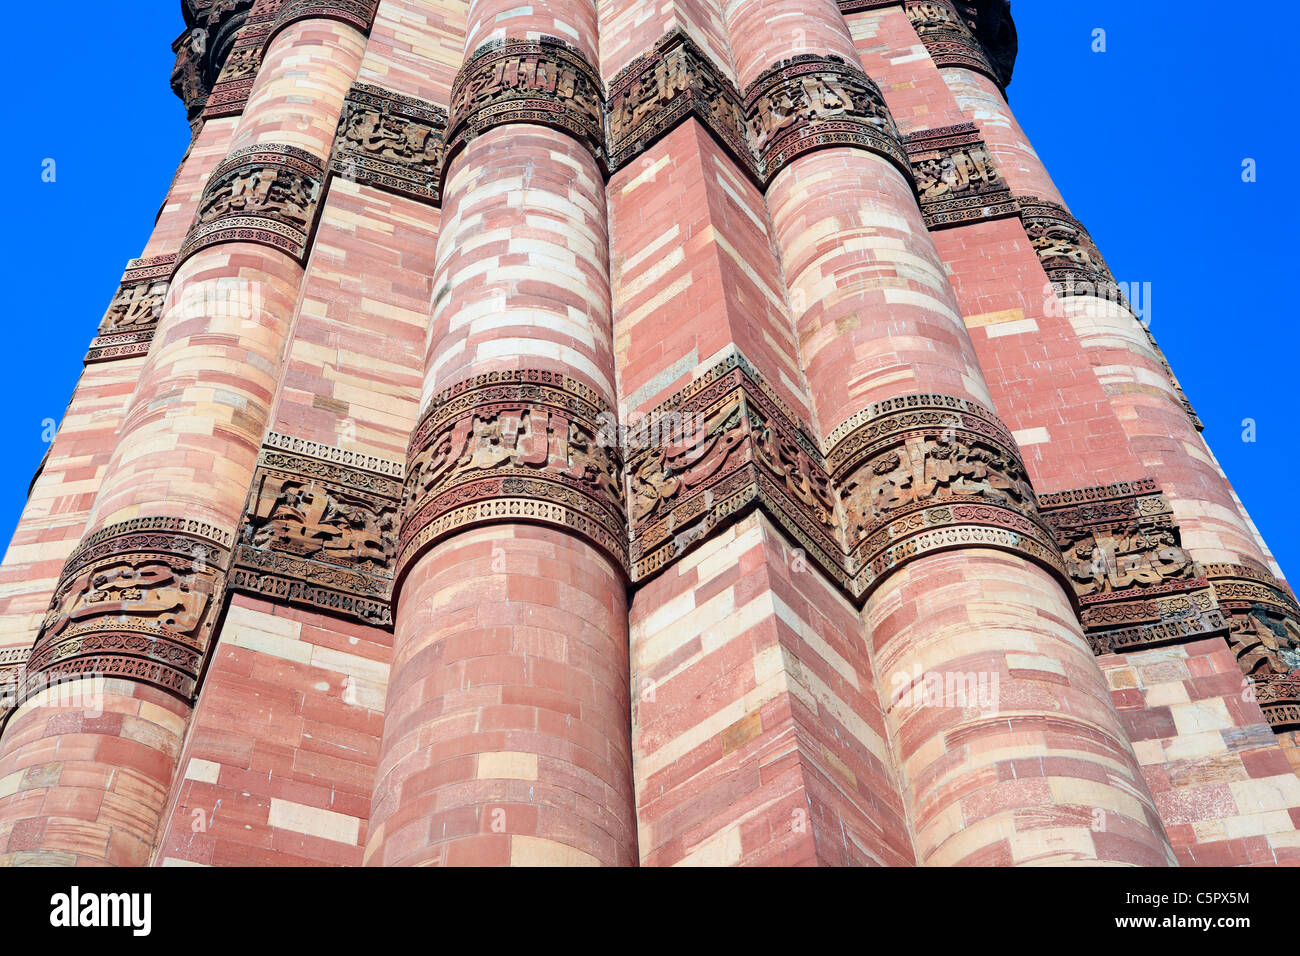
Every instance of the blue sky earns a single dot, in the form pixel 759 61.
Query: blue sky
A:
pixel 1146 142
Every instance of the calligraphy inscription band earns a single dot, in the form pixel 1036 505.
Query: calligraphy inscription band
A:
pixel 137 599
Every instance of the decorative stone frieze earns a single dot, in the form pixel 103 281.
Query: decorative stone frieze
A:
pixel 13 666
pixel 957 180
pixel 1067 253
pixel 128 326
pixel 1265 637
pixel 1075 267
pixel 904 478
pixel 523 445
pixel 239 69
pixel 927 473
pixel 265 194
pixel 137 599
pixel 948 37
pixel 818 102
pixel 722 445
pixel 320 530
pixel 359 14
pixel 660 89
pixel 1136 585
pixel 391 141
pixel 546 81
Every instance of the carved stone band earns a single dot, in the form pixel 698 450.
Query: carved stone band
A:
pixel 927 473
pixel 264 194
pixel 948 39
pixel 518 446
pixel 234 83
pixel 817 102
pixel 359 14
pixel 1136 585
pixel 132 317
pixel 136 600
pixel 904 478
pixel 1265 637
pixel 13 666
pixel 523 81
pixel 1075 268
pixel 957 180
pixel 660 89
pixel 320 529
pixel 719 447
pixel 391 142
pixel 1066 251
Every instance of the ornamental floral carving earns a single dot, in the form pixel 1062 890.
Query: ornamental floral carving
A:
pixel 660 89
pixel 264 194
pixel 138 600
pixel 526 445
pixel 957 180
pixel 320 529
pixel 1137 586
pixel 390 141
pixel 546 81
pixel 816 102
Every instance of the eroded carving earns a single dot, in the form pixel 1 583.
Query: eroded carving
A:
pixel 1137 586
pixel 319 532
pixel 719 447
pixel 264 194
pixel 957 179
pixel 815 102
pixel 514 446
pixel 128 326
pixel 390 141
pixel 660 89
pixel 929 472
pixel 359 14
pixel 1265 637
pixel 948 37
pixel 546 81
pixel 136 599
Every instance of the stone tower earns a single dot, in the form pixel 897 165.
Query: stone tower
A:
pixel 616 432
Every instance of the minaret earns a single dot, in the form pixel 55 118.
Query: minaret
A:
pixel 602 432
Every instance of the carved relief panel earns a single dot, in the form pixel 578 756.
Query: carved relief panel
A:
pixel 957 180
pixel 718 447
pixel 128 326
pixel 1264 621
pixel 658 90
pixel 948 38
pixel 927 473
pixel 390 141
pixel 514 446
pixel 320 529
pixel 265 194
pixel 138 600
pixel 813 102
pixel 517 81
pixel 1136 585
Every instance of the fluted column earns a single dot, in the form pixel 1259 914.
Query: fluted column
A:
pixel 138 600
pixel 506 734
pixel 966 586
